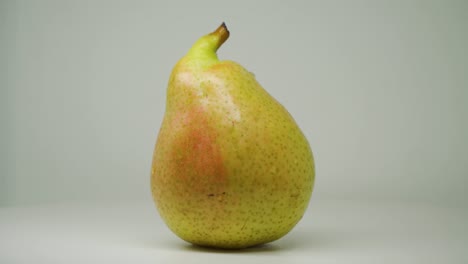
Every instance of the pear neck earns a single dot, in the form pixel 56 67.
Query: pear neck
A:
pixel 204 49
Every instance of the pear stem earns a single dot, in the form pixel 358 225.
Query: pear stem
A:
pixel 222 34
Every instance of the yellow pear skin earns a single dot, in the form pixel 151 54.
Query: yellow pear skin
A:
pixel 231 168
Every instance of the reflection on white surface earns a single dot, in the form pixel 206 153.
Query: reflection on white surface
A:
pixel 333 231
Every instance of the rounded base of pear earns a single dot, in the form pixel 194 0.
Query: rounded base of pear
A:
pixel 230 246
pixel 220 240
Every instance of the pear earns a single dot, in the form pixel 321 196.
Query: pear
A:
pixel 231 168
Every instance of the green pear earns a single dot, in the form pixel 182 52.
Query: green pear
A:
pixel 231 168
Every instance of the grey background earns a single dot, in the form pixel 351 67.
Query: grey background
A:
pixel 380 88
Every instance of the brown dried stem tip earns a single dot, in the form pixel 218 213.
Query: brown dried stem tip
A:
pixel 222 33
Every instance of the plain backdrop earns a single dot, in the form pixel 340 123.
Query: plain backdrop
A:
pixel 380 88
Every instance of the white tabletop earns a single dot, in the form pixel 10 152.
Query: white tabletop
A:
pixel 330 232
